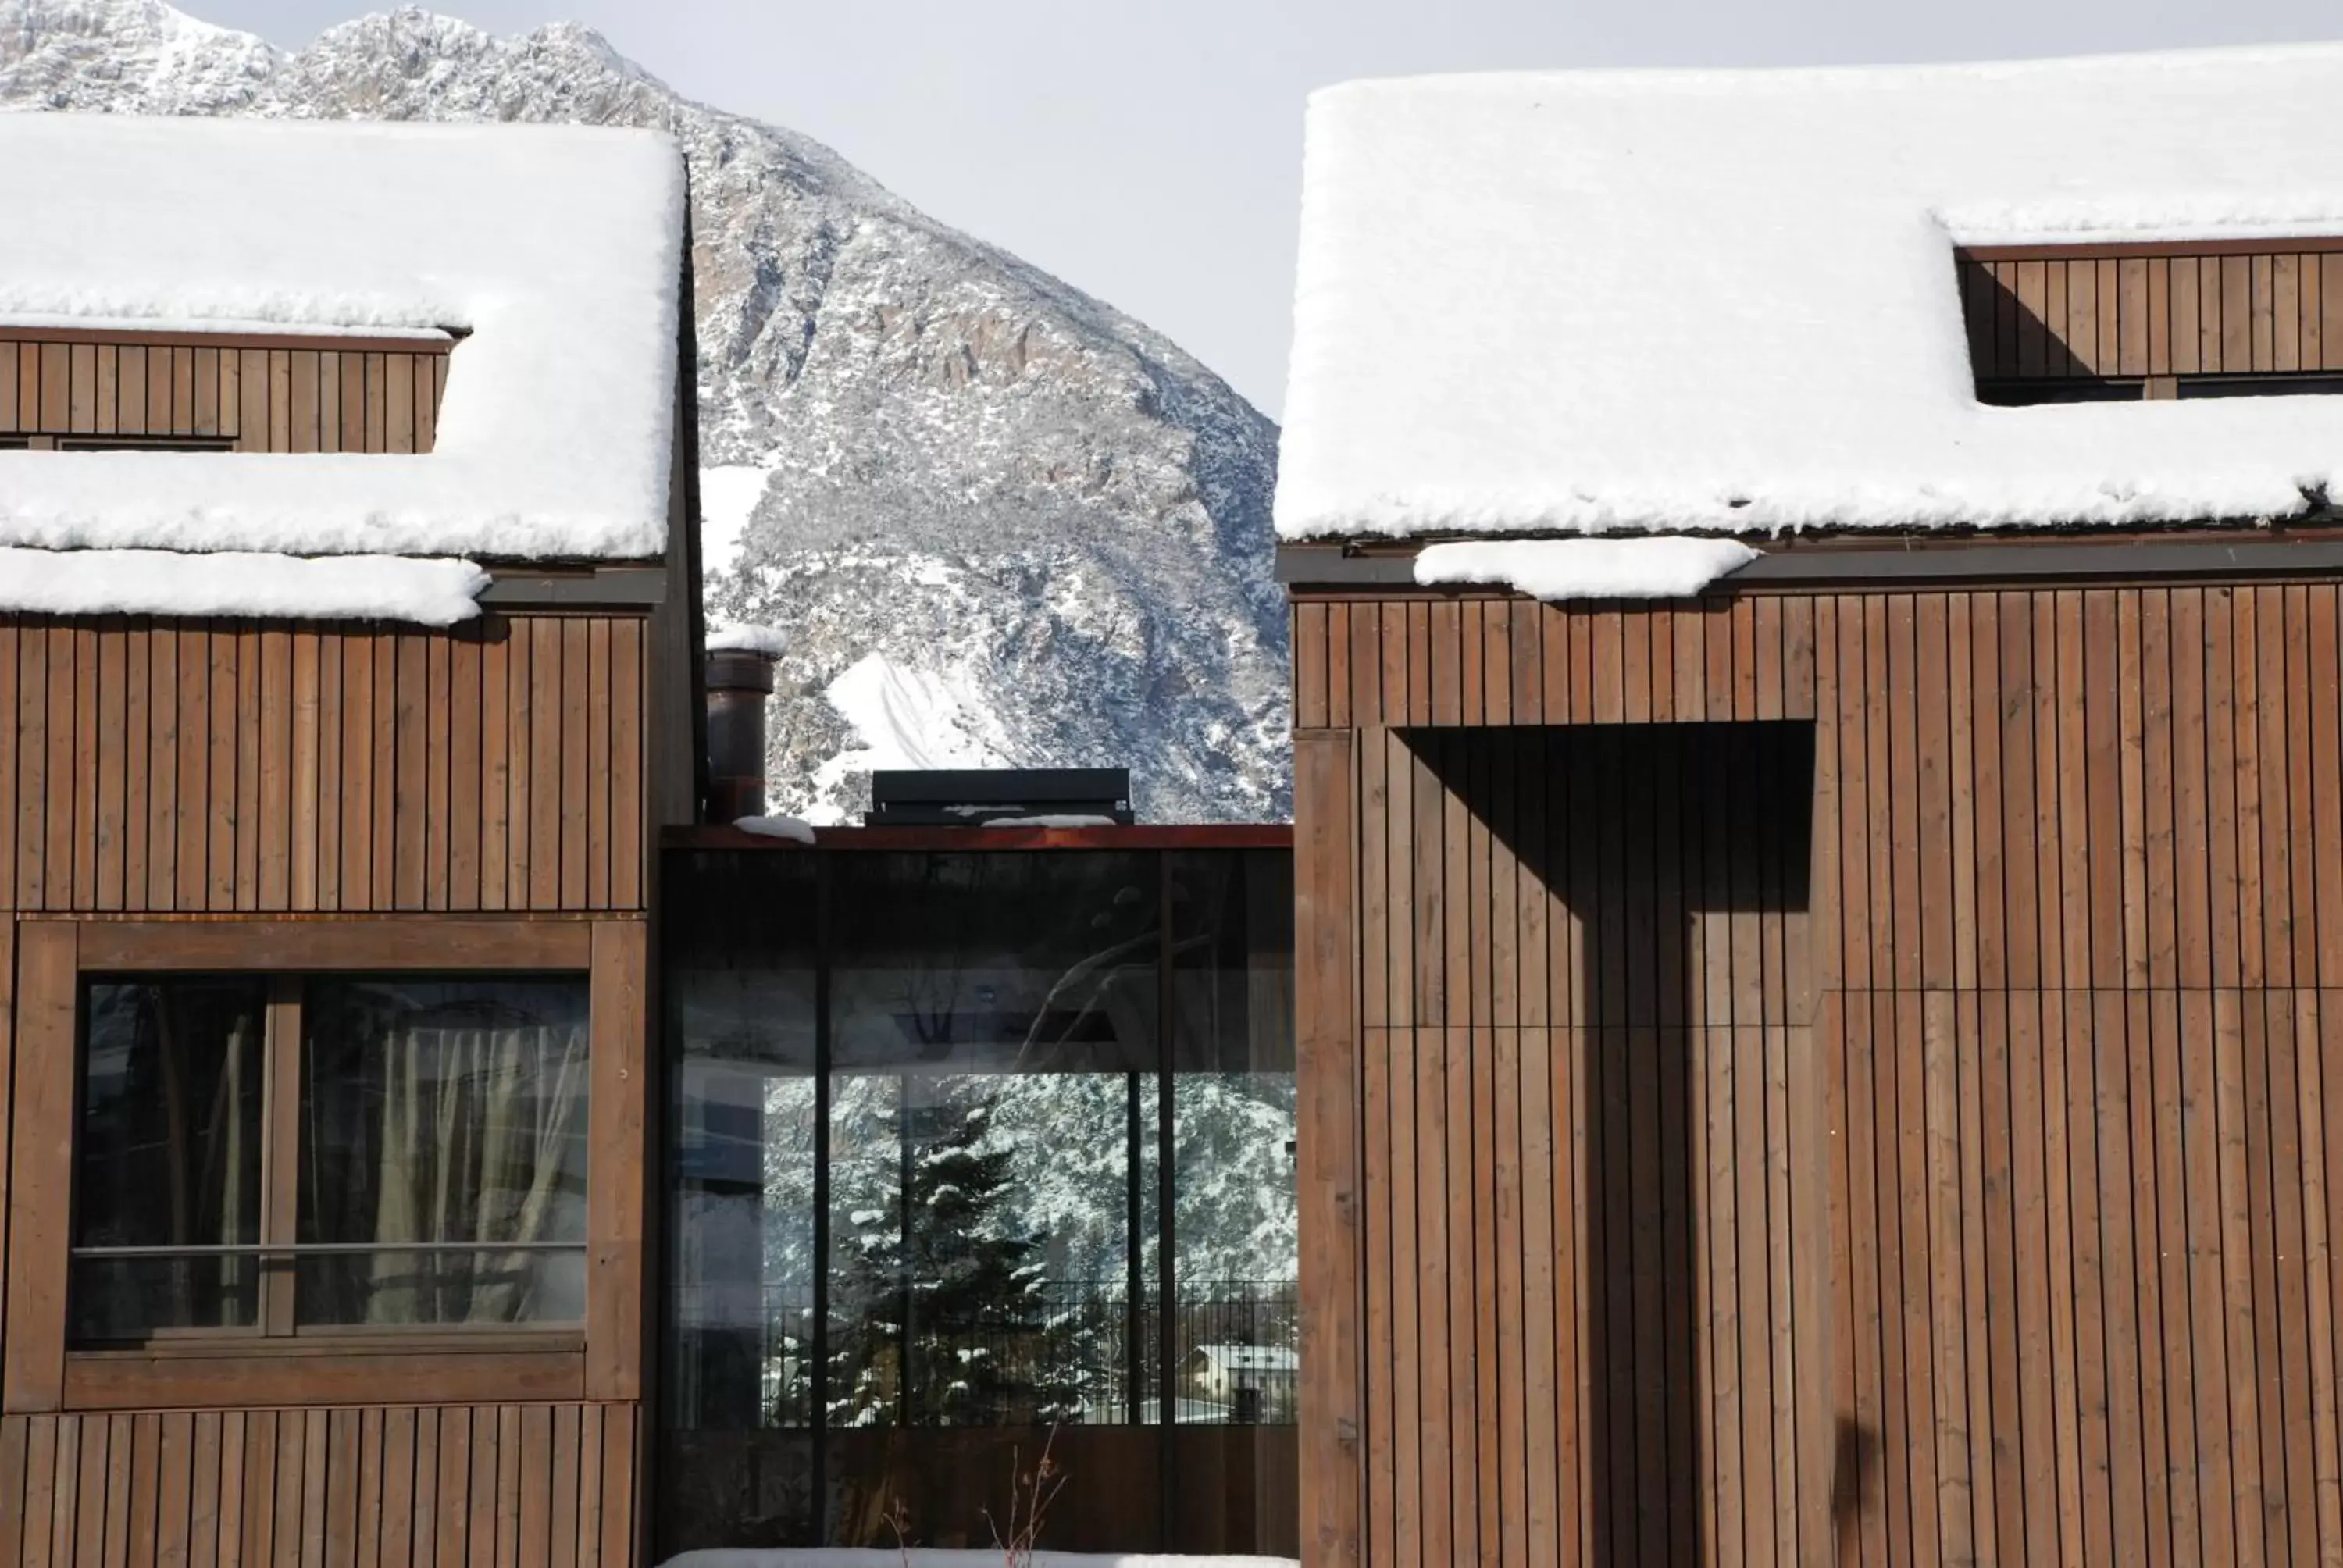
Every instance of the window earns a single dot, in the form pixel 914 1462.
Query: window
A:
pixel 170 1210
pixel 973 1151
pixel 270 1155
pixel 2150 322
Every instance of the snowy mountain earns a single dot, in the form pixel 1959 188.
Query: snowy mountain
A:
pixel 1003 523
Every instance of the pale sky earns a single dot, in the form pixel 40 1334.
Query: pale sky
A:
pixel 1151 154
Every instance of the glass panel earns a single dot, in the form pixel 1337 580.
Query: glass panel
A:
pixel 1236 1340
pixel 984 1160
pixel 994 1030
pixel 452 1112
pixel 739 1385
pixel 168 1153
pixel 995 962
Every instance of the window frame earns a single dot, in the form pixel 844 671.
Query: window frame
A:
pixel 277 1248
pixel 42 1370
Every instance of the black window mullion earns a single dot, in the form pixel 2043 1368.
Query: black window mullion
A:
pixel 819 1379
pixel 1167 1278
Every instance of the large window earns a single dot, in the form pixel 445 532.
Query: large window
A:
pixel 270 1155
pixel 925 1220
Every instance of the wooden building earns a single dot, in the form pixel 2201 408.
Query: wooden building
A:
pixel 324 891
pixel 1832 1063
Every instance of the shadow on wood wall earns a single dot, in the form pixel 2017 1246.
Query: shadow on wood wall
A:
pixel 1681 854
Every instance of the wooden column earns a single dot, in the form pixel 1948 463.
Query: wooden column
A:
pixel 1327 1063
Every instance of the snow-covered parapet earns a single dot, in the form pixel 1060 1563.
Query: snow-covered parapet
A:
pixel 556 250
pixel 1667 567
pixel 796 829
pixel 1725 302
pixel 422 592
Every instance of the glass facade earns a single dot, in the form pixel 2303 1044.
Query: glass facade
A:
pixel 921 1104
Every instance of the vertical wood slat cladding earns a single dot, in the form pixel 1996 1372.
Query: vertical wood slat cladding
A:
pixel 552 1486
pixel 1999 1198
pixel 239 766
pixel 260 399
pixel 2274 313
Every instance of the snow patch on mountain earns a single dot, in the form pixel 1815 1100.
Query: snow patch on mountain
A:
pixel 974 467
pixel 904 716
pixel 728 500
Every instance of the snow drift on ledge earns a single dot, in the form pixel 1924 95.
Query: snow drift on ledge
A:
pixel 1553 569
pixel 795 830
pixel 556 248
pixel 161 582
pixel 1725 302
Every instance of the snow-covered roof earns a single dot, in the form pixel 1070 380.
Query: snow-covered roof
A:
pixel 1247 1358
pixel 556 248
pixel 1725 301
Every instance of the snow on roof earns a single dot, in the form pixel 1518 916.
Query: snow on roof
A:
pixel 1725 301
pixel 1669 566
pixel 228 582
pixel 557 248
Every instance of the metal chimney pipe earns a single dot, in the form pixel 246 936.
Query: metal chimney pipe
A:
pixel 738 683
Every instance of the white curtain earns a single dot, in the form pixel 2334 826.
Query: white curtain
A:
pixel 475 1124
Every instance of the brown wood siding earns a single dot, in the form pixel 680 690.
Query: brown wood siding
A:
pixel 295 398
pixel 248 766
pixel 531 1486
pixel 1955 1186
pixel 2260 313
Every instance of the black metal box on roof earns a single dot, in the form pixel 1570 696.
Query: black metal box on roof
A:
pixel 972 797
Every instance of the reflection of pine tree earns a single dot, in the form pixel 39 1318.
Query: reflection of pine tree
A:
pixel 941 1319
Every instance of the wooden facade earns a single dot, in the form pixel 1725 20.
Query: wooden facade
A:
pixel 243 394
pixel 533 1485
pixel 221 767
pixel 1834 1071
pixel 276 798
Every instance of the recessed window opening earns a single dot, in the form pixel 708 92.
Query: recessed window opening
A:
pixel 190 391
pixel 2148 323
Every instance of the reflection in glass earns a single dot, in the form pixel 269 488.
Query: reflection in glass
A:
pixel 1235 1226
pixel 444 1122
pixel 740 1377
pixel 935 1085
pixel 993 1022
pixel 168 1154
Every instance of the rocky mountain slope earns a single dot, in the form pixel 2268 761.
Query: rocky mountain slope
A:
pixel 1003 523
